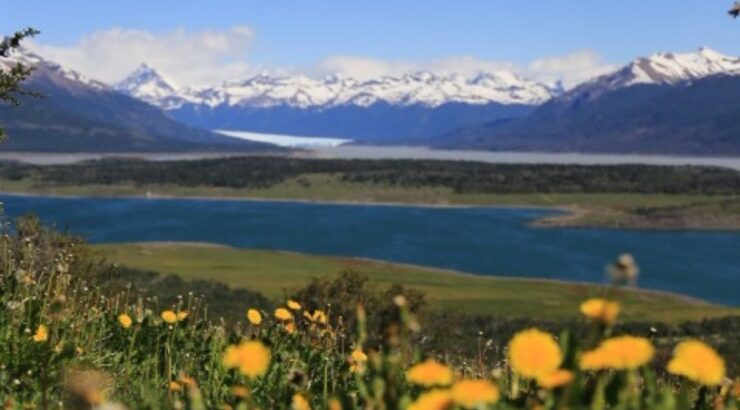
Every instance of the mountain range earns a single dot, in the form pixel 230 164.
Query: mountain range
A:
pixel 78 114
pixel 663 104
pixel 407 107
pixel 666 103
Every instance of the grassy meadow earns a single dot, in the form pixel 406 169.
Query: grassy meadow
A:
pixel 69 342
pixel 276 274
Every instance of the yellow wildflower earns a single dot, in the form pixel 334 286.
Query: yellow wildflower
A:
pixel 316 317
pixel 433 400
pixel 533 352
pixel 283 314
pixel 42 334
pixel 182 316
pixel 240 391
pixel 335 404
pixel 473 394
pixel 430 373
pixel 292 304
pixel 254 317
pixel 175 386
pixel 125 320
pixel 188 381
pixel 290 328
pixel 555 379
pixel 169 316
pixel 299 402
pixel 252 358
pixel 357 360
pixel 699 362
pixel 620 353
pixel 601 310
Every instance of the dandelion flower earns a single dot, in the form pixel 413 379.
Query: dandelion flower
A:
pixel 252 358
pixel 533 352
pixel 169 316
pixel 290 328
pixel 432 400
pixel 317 316
pixel 335 404
pixel 601 310
pixel 125 320
pixel 472 394
pixel 698 362
pixel 240 391
pixel 357 360
pixel 175 386
pixel 41 335
pixel 182 316
pixel 283 314
pixel 299 402
pixel 555 379
pixel 254 317
pixel 430 373
pixel 292 304
pixel 620 353
pixel 188 381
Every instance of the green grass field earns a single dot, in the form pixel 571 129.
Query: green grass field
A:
pixel 276 273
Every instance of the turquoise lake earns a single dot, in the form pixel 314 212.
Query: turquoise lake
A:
pixel 485 241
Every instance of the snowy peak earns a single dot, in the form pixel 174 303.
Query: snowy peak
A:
pixel 414 88
pixel 670 68
pixel 146 84
pixel 49 69
pixel 662 69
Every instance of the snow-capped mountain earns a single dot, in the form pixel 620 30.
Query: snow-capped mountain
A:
pixel 403 107
pixel 666 103
pixel 661 68
pixel 40 64
pixel 147 85
pixel 418 88
pixel 77 113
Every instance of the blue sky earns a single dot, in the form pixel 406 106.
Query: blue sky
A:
pixel 305 34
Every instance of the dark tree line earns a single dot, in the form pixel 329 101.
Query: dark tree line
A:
pixel 461 177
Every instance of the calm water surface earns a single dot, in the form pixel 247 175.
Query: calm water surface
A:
pixel 486 241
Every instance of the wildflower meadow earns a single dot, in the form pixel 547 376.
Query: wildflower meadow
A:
pixel 68 343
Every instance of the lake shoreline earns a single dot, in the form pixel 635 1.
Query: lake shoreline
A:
pixel 448 289
pixel 567 216
pixel 288 200
pixel 470 239
pixel 646 291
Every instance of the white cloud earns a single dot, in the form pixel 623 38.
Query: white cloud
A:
pixel 187 57
pixel 572 69
pixel 195 58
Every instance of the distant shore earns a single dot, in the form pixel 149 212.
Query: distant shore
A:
pixel 351 151
pixel 689 216
pixel 614 197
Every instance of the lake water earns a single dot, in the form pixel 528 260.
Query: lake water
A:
pixel 487 241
